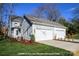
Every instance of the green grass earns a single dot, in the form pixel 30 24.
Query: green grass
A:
pixel 76 36
pixel 8 48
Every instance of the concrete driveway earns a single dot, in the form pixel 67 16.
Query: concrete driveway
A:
pixel 62 44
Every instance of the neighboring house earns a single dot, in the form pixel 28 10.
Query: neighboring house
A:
pixel 42 29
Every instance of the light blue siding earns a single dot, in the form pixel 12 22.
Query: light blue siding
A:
pixel 25 30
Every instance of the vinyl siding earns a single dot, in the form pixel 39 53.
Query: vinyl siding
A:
pixel 25 29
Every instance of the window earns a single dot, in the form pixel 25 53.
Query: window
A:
pixel 16 32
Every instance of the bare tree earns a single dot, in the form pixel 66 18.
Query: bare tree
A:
pixel 48 11
pixel 75 19
pixel 76 12
pixel 1 16
pixel 6 10
pixel 10 11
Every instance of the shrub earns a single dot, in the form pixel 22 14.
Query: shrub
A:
pixel 32 38
pixel 76 36
pixel 1 37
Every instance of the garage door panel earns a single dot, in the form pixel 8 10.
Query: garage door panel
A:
pixel 59 34
pixel 39 35
pixel 43 35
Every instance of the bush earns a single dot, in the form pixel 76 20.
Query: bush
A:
pixel 1 37
pixel 32 38
pixel 76 36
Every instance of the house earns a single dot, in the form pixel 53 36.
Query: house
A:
pixel 14 28
pixel 42 29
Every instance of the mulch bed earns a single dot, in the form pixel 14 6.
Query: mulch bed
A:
pixel 23 41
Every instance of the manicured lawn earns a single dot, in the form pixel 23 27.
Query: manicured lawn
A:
pixel 75 36
pixel 16 48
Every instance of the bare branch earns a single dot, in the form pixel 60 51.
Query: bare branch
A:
pixel 48 11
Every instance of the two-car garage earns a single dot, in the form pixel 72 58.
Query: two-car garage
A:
pixel 48 33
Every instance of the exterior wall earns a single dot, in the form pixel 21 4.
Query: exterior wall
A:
pixel 25 30
pixel 14 25
pixel 9 28
pixel 42 27
pixel 60 33
pixel 29 32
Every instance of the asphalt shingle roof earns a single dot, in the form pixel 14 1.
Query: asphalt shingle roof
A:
pixel 42 21
pixel 16 18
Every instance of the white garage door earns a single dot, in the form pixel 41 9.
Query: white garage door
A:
pixel 43 35
pixel 59 33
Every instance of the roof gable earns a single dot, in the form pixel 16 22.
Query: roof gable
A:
pixel 16 18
